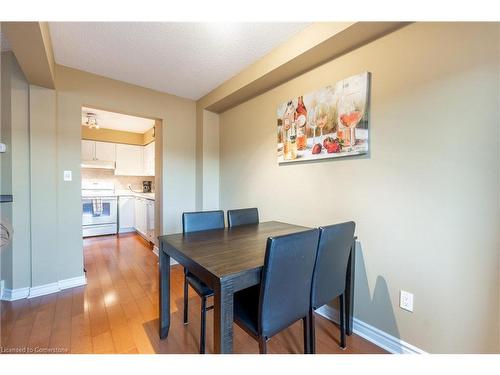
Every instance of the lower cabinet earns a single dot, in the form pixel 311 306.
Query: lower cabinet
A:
pixel 126 214
pixel 137 214
pixel 141 220
pixel 150 208
pixel 145 218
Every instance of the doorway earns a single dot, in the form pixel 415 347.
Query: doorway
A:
pixel 121 174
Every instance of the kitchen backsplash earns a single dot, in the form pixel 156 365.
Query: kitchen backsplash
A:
pixel 121 182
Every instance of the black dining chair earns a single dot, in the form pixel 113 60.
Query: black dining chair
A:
pixel 284 294
pixel 242 216
pixel 330 271
pixel 194 222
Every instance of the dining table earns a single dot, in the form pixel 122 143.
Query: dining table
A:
pixel 227 260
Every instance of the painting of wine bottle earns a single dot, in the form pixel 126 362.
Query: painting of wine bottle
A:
pixel 330 122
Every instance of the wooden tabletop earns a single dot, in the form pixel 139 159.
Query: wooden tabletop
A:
pixel 229 251
pixel 227 260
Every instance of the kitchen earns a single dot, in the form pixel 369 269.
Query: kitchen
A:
pixel 118 175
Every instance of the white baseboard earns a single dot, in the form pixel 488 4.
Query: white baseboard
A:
pixel 156 251
pixel 73 282
pixel 126 230
pixel 15 294
pixel 380 338
pixel 41 290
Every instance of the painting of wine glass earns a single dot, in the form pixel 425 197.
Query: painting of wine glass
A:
pixel 331 122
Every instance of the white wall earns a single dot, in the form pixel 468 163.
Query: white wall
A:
pixel 425 200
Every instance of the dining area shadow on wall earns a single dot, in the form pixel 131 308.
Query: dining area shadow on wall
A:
pixel 374 317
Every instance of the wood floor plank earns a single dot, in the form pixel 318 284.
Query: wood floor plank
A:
pixel 60 337
pixel 81 339
pixel 98 317
pixel 122 339
pixel 117 311
pixel 42 326
pixel 103 344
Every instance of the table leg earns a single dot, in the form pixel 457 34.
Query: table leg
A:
pixel 223 319
pixel 349 289
pixel 164 293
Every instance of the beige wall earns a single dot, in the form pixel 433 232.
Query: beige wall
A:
pixel 149 136
pixel 211 161
pixel 6 165
pixel 48 143
pixel 110 135
pixel 15 172
pixel 76 89
pixel 425 200
pixel 3 165
pixel 46 267
pixel 32 46
pixel 118 136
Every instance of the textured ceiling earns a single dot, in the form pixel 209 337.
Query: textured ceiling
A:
pixel 184 59
pixel 118 121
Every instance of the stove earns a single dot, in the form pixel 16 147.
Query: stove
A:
pixel 99 209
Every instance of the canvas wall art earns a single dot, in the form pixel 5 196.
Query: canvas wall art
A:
pixel 328 123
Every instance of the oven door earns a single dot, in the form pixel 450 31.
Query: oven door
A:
pixel 107 216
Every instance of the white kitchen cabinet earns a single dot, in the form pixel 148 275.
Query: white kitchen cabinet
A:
pixel 129 160
pixel 141 219
pixel 149 159
pixel 98 151
pixel 126 214
pixel 144 211
pixel 151 221
pixel 88 150
pixel 105 151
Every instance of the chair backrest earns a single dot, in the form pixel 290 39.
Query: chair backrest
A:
pixel 202 220
pixel 242 216
pixel 285 294
pixel 335 242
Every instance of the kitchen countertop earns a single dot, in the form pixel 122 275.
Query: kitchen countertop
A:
pixel 126 193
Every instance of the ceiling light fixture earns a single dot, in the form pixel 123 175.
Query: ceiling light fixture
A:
pixel 91 121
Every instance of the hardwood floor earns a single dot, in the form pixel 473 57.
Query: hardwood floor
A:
pixel 117 312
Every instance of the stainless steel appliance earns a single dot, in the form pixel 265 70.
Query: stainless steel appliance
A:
pixel 99 209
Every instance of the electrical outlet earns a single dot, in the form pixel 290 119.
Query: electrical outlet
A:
pixel 406 300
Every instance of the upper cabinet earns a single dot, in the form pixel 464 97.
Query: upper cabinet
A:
pixel 149 159
pixel 88 150
pixel 98 151
pixel 105 151
pixel 129 160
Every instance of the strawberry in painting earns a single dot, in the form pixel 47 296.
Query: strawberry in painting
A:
pixel 316 149
pixel 332 145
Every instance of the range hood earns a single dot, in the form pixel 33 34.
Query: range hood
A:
pixel 98 164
